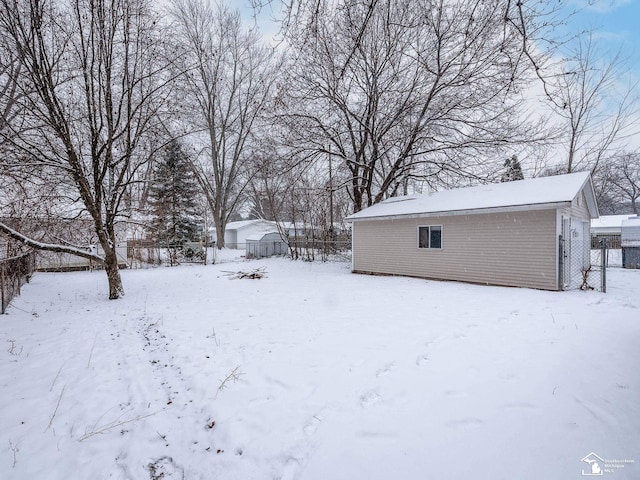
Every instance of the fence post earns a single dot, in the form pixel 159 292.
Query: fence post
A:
pixel 560 263
pixel 2 305
pixel 603 261
pixel 13 271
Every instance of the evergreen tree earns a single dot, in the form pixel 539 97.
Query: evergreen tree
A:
pixel 513 170
pixel 173 195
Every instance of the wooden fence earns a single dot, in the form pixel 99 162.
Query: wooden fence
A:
pixel 14 272
pixel 613 240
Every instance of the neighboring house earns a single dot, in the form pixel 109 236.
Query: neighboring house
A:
pixel 499 234
pixel 609 224
pixel 236 233
pixel 294 230
pixel 609 227
pixel 263 245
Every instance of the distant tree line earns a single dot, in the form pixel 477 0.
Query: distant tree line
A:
pixel 165 120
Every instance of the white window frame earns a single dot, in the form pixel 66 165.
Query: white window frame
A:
pixel 429 247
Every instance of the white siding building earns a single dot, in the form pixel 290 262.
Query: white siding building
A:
pixel 498 234
pixel 236 233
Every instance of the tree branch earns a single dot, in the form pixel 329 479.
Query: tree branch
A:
pixel 49 247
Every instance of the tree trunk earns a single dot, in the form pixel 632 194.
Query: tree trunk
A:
pixel 220 228
pixel 219 221
pixel 357 196
pixel 108 241
pixel 113 275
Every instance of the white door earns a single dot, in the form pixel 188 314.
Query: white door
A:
pixel 566 259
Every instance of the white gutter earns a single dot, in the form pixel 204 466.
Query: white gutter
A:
pixel 472 211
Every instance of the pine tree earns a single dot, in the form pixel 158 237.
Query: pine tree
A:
pixel 173 195
pixel 513 170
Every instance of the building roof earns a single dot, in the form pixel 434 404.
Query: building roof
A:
pixel 256 237
pixel 248 223
pixel 518 195
pixel 613 222
pixel 631 222
pixel 239 225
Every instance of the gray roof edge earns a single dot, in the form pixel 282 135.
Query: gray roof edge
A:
pixel 591 197
pixel 471 211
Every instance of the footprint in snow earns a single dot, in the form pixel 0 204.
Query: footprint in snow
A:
pixel 368 399
pixel 435 341
pixel 422 359
pixel 291 467
pixel 165 468
pixel 278 383
pixel 455 394
pixel 385 370
pixel 519 405
pixel 313 424
pixel 465 423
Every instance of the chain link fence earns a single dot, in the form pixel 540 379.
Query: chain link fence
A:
pixel 14 273
pixel 311 249
pixel 583 264
pixel 141 253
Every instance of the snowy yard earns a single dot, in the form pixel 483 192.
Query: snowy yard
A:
pixel 315 373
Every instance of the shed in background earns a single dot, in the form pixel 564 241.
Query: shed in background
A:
pixel 263 245
pixel 236 233
pixel 630 241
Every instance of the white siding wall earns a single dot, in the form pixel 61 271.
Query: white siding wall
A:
pixel 577 240
pixel 515 249
pixel 578 209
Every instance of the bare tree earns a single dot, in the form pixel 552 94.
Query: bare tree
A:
pixel 268 187
pixel 9 94
pixel 227 87
pixel 405 90
pixel 624 176
pixel 93 86
pixel 606 197
pixel 594 112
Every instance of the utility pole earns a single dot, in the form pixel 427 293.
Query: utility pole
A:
pixel 330 195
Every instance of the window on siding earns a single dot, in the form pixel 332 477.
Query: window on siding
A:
pixel 430 236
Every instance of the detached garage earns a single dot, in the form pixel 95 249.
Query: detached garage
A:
pixel 508 234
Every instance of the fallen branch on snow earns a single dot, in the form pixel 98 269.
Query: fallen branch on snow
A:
pixel 257 273
pixel 53 415
pixel 234 376
pixel 98 430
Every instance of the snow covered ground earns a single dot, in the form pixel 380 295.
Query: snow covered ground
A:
pixel 614 257
pixel 315 373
